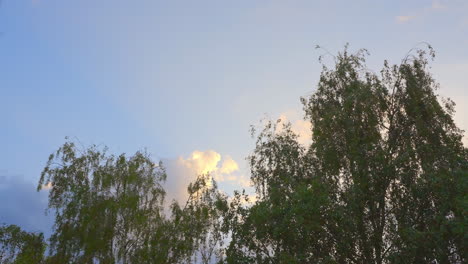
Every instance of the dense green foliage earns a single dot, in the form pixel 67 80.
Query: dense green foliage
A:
pixel 384 180
pixel 111 210
pixel 20 247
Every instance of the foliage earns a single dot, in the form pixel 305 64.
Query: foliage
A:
pixel 190 234
pixel 20 247
pixel 110 209
pixel 384 180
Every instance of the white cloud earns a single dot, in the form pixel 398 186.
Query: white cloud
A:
pixel 252 199
pixel 182 171
pixel 201 162
pixel 229 165
pixel 244 181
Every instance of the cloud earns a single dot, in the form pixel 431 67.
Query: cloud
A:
pixel 201 162
pixel 47 186
pixel 22 205
pixel 182 171
pixel 229 165
pixel 404 19
pixel 251 200
pixel 302 128
pixel 435 6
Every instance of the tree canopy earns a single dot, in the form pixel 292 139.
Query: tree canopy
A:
pixel 20 247
pixel 110 209
pixel 384 180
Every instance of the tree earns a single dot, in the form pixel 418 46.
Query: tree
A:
pixel 286 224
pixel 191 233
pixel 110 209
pixel 20 247
pixel 384 180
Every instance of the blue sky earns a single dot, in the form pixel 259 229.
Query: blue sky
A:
pixel 186 79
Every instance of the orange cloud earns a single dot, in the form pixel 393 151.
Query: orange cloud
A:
pixel 47 186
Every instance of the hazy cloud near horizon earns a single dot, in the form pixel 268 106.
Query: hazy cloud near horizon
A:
pixel 22 205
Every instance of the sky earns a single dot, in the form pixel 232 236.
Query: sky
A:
pixel 185 80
